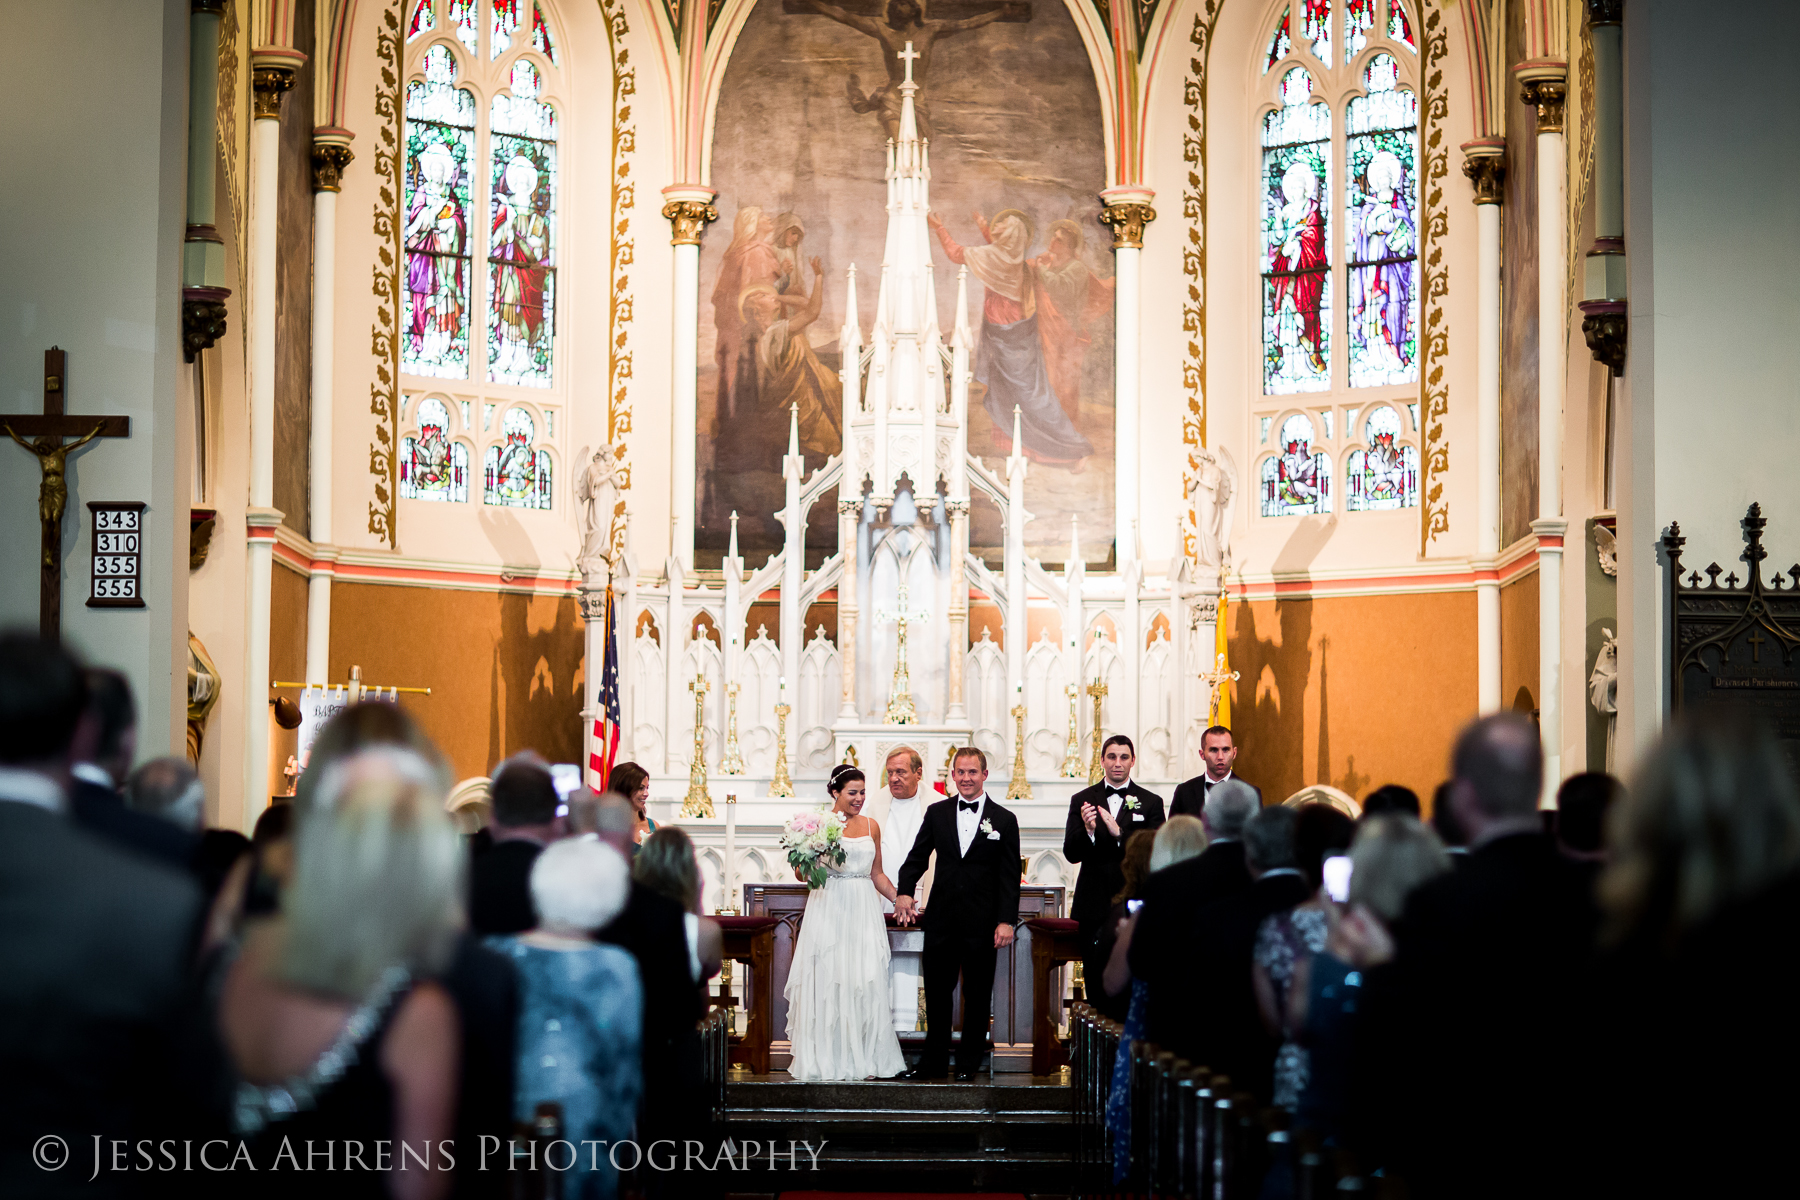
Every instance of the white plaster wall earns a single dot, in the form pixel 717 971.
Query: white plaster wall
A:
pixel 93 265
pixel 1712 399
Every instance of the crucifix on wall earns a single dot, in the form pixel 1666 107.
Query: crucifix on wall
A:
pixel 47 433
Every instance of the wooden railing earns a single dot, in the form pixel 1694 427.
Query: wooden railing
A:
pixel 1191 1134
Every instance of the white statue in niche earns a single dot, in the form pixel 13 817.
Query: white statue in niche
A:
pixel 1603 688
pixel 1213 495
pixel 598 490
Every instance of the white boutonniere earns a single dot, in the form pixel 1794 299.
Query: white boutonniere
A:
pixel 1131 802
pixel 987 827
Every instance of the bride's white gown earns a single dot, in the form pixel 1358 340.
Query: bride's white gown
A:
pixel 840 1017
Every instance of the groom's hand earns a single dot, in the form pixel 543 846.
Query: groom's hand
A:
pixel 1003 936
pixel 904 909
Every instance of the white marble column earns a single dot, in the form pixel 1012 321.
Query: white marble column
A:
pixel 1127 211
pixel 688 209
pixel 272 74
pixel 1543 85
pixel 956 709
pixel 331 154
pixel 1484 163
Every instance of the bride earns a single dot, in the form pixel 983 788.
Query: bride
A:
pixel 840 1017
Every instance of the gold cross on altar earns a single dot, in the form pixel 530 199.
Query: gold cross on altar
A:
pixel 900 709
pixel 47 433
pixel 1097 690
pixel 1217 677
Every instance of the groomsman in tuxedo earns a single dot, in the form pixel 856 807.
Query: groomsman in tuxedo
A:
pixel 974 906
pixel 1101 819
pixel 1219 754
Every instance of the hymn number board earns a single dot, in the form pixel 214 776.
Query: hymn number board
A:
pixel 118 555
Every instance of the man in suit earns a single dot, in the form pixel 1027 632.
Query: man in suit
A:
pixel 1219 754
pixel 974 906
pixel 1161 932
pixel 524 801
pixel 1475 1024
pixel 104 747
pixel 1101 819
pixel 94 947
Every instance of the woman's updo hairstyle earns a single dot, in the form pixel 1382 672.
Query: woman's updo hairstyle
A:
pixel 842 776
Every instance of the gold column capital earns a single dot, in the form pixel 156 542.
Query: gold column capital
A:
pixel 689 219
pixel 329 158
pixel 1543 84
pixel 1127 221
pixel 1484 162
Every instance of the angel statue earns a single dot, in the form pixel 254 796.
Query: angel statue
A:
pixel 598 490
pixel 1213 494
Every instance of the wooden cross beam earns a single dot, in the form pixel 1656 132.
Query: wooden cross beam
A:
pixel 47 433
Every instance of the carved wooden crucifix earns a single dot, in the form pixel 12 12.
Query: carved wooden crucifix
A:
pixel 47 433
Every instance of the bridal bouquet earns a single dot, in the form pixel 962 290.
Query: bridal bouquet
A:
pixel 814 841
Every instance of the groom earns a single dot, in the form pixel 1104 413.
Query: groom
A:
pixel 974 906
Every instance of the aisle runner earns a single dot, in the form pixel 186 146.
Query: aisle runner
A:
pixel 901 1196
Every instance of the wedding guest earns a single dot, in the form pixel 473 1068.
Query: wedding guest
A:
pixel 93 950
pixel 1134 867
pixel 1582 803
pixel 581 1012
pixel 106 745
pixel 524 801
pixel 168 788
pixel 1447 827
pixel 1391 799
pixel 667 865
pixel 1286 939
pixel 1218 752
pixel 332 1025
pixel 1100 819
pixel 633 783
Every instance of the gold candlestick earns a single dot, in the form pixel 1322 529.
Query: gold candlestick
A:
pixel 1097 690
pixel 1020 787
pixel 733 761
pixel 1071 765
pixel 699 801
pixel 781 785
pixel 900 709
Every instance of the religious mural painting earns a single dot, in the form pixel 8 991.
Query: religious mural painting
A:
pixel 1009 103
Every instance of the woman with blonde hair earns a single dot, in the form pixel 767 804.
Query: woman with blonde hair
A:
pixel 327 1013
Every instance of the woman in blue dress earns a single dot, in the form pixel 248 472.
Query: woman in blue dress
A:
pixel 580 1011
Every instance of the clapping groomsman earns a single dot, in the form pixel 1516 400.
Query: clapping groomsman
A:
pixel 1101 819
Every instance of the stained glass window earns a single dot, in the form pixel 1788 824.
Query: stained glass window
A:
pixel 1296 479
pixel 1280 44
pixel 515 473
pixel 440 148
pixel 432 467
pixel 1296 230
pixel 540 34
pixel 1399 28
pixel 505 24
pixel 463 17
pixel 1359 18
pixel 1315 16
pixel 1381 228
pixel 1386 474
pixel 423 18
pixel 521 247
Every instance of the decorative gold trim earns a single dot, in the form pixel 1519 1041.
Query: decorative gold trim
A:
pixel 1580 163
pixel 1127 222
pixel 1193 256
pixel 689 218
pixel 1434 385
pixel 384 397
pixel 1547 96
pixel 328 162
pixel 231 105
pixel 620 309
pixel 270 84
pixel 1488 173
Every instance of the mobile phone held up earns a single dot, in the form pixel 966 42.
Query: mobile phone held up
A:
pixel 567 779
pixel 1132 906
pixel 1337 878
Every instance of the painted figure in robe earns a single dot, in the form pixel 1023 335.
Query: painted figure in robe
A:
pixel 1299 474
pixel 749 260
pixel 1381 293
pixel 785 369
pixel 1299 263
pixel 436 232
pixel 521 246
pixel 1075 302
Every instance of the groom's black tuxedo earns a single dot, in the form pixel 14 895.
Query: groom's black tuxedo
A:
pixel 971 895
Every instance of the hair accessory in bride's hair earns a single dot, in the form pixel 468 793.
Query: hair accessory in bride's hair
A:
pixel 842 774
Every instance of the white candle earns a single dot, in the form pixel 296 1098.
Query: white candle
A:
pixel 727 896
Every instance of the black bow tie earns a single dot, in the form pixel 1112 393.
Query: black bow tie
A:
pixel 970 805
pixel 1119 791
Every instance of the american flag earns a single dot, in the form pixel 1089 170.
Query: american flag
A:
pixel 606 724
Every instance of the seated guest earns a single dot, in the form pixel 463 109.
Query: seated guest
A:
pixel 94 948
pixel 1479 1011
pixel 1287 939
pixel 1134 866
pixel 331 1024
pixel 581 1009
pixel 169 788
pixel 1391 799
pixel 1582 803
pixel 106 745
pixel 1447 827
pixel 1391 856
pixel 1180 839
pixel 666 864
pixel 524 802
pixel 633 783
pixel 1219 754
pixel 1701 896
pixel 1101 817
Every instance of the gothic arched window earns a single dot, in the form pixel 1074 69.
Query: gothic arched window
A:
pixel 516 472
pixel 480 173
pixel 1296 479
pixel 1340 93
